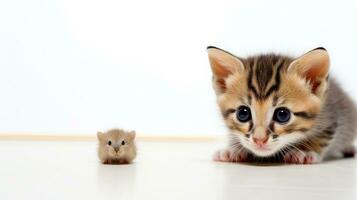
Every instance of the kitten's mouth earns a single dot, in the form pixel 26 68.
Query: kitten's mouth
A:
pixel 262 147
pixel 264 150
pixel 261 150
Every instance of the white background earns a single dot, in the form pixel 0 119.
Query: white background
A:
pixel 78 66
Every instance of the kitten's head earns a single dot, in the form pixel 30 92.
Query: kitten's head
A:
pixel 115 142
pixel 269 101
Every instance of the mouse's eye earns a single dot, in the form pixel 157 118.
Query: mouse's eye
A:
pixel 122 142
pixel 109 142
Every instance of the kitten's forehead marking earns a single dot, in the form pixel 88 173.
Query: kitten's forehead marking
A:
pixel 264 75
pixel 262 112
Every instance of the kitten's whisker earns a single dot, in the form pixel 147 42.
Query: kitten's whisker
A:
pixel 292 145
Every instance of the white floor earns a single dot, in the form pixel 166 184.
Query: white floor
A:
pixel 70 170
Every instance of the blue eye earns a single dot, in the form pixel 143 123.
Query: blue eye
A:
pixel 243 114
pixel 281 115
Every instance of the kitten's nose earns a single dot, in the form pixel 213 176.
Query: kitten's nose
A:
pixel 260 136
pixel 260 141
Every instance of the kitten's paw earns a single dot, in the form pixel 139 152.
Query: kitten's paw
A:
pixel 349 152
pixel 301 157
pixel 225 155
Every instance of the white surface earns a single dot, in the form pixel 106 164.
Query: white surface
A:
pixel 78 66
pixel 70 170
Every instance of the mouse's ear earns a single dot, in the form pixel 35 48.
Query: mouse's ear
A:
pixel 100 135
pixel 132 135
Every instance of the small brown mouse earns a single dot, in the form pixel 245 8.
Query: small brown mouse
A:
pixel 116 146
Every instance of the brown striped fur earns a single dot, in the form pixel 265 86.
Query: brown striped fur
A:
pixel 269 81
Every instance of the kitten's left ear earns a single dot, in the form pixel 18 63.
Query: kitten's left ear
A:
pixel 314 67
pixel 223 64
pixel 132 135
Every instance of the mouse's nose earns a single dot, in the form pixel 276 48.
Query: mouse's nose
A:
pixel 116 148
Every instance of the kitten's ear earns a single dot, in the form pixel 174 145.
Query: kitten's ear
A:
pixel 223 64
pixel 132 135
pixel 100 135
pixel 314 67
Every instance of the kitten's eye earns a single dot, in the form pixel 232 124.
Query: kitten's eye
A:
pixel 122 142
pixel 243 114
pixel 281 115
pixel 109 142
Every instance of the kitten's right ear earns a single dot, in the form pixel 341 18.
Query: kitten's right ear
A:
pixel 100 135
pixel 223 64
pixel 314 67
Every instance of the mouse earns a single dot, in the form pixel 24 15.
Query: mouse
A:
pixel 116 146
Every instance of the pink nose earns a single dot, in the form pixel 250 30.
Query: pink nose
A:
pixel 260 141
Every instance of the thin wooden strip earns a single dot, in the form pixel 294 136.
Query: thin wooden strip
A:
pixel 87 137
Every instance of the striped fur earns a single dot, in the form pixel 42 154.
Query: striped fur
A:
pixel 320 123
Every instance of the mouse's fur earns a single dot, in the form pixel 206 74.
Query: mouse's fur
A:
pixel 116 146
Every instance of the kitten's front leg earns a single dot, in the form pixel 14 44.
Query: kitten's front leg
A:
pixel 302 157
pixel 227 155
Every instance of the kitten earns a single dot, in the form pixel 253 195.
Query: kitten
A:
pixel 116 146
pixel 280 107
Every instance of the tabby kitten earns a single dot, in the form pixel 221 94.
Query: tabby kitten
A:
pixel 281 107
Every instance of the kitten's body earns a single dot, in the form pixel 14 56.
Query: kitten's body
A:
pixel 338 112
pixel 323 117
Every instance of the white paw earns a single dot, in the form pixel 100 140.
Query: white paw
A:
pixel 225 155
pixel 302 157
